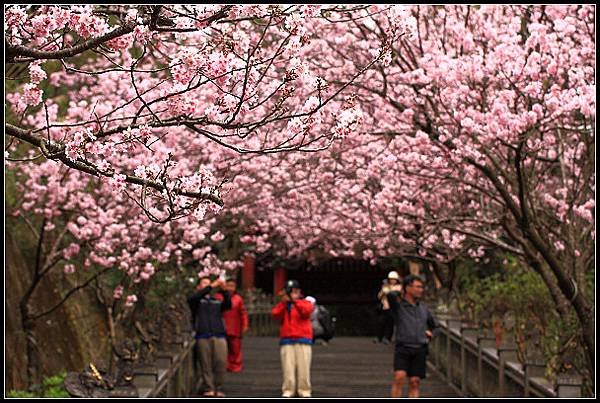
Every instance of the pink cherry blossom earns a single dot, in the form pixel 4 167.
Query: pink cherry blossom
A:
pixel 32 95
pixel 118 292
pixel 131 300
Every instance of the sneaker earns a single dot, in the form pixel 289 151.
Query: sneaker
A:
pixel 385 341
pixel 287 395
pixel 376 341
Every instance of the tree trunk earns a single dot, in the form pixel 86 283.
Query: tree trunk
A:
pixel 560 302
pixel 570 290
pixel 561 286
pixel 585 314
pixel 31 347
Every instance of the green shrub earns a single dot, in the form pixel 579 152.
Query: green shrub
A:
pixel 519 300
pixel 21 394
pixel 52 386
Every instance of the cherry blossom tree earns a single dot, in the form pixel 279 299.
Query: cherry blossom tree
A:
pixel 478 135
pixel 119 111
pixel 134 76
pixel 433 132
pixel 90 230
pixel 502 104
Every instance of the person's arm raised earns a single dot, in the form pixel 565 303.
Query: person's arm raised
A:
pixel 226 304
pixel 199 294
pixel 278 310
pixel 392 298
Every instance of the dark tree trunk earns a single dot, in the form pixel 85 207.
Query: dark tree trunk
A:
pixel 31 347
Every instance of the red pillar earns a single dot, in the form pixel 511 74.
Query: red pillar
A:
pixel 248 272
pixel 279 279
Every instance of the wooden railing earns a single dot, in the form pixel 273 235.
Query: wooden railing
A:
pixel 262 324
pixel 259 316
pixel 470 361
pixel 464 355
pixel 173 374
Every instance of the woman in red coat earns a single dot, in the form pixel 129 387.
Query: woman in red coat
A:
pixel 236 324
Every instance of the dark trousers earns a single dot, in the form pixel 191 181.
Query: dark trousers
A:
pixel 386 325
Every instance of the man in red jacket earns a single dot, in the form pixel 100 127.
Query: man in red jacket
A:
pixel 295 339
pixel 236 323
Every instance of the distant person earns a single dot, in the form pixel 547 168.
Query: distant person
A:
pixel 385 327
pixel 236 324
pixel 322 323
pixel 295 333
pixel 415 327
pixel 210 333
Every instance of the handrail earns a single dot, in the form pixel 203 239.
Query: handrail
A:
pixel 172 374
pixel 498 373
pixel 481 369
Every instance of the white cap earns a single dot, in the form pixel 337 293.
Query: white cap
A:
pixel 312 300
pixel 394 274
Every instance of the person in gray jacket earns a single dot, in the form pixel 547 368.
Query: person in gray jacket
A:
pixel 415 327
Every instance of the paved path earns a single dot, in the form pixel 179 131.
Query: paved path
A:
pixel 347 367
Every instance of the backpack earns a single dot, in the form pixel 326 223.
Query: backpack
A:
pixel 324 318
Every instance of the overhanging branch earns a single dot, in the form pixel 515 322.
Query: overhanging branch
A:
pixel 57 152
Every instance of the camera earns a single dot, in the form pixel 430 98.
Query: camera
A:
pixel 290 284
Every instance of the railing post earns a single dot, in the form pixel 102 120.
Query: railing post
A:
pixel 452 322
pixel 448 352
pixel 179 388
pixel 437 342
pixel 505 353
pixel 124 392
pixel 436 348
pixel 163 363
pixel 568 386
pixel 164 359
pixel 465 331
pixel 482 342
pixel 185 375
pixel 532 369
pixel 191 377
pixel 145 379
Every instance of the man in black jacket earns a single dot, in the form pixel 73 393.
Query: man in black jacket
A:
pixel 415 327
pixel 210 333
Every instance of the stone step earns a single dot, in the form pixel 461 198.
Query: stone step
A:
pixel 347 367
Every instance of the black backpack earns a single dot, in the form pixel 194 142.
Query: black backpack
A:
pixel 324 318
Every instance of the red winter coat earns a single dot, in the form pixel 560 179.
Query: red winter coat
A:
pixel 236 318
pixel 294 324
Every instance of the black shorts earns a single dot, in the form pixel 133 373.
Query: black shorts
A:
pixel 412 360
